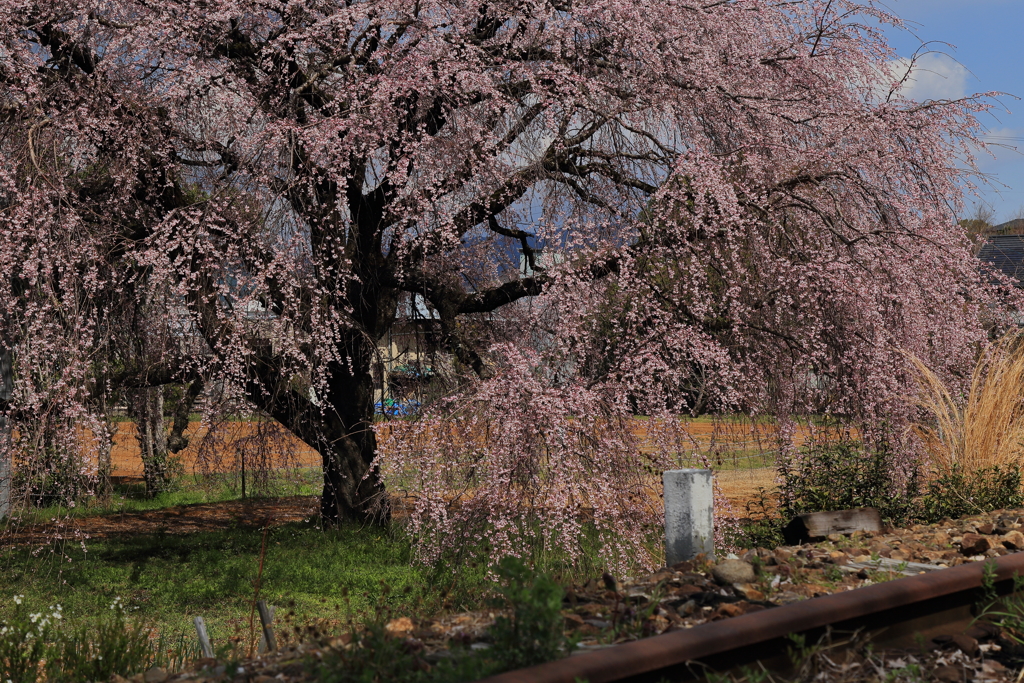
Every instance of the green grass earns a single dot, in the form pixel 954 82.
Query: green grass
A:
pixel 168 579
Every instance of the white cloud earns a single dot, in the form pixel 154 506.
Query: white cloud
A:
pixel 935 76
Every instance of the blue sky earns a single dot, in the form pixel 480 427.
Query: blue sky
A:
pixel 984 55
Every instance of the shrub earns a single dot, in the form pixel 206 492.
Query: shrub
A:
pixel 847 474
pixel 957 494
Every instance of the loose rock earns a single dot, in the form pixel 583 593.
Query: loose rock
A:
pixel 973 544
pixel 1014 540
pixel 156 675
pixel 733 571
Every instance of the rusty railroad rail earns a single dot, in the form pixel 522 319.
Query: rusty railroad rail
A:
pixel 892 613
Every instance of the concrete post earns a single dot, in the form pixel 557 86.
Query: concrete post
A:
pixel 6 386
pixel 689 515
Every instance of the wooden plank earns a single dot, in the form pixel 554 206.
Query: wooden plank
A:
pixel 815 526
pixel 887 565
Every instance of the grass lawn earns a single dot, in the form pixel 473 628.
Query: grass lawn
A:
pixel 322 576
pixel 168 579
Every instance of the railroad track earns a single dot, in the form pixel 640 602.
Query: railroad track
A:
pixel 893 614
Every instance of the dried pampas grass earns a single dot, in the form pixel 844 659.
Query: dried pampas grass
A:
pixel 985 428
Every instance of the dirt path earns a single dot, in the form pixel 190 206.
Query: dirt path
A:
pixel 178 520
pixel 739 486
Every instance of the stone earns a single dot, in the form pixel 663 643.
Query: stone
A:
pixel 1014 540
pixel 689 515
pixel 749 591
pixel 973 544
pixel 948 674
pixel 991 666
pixel 156 675
pixel 684 590
pixel 782 554
pixel 660 576
pixel 733 571
pixel 655 625
pixel 728 610
pixel 967 645
pixel 986 528
pixel 838 557
pixel 572 620
pixel 399 626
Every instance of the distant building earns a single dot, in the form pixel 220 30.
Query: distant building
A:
pixel 407 357
pixel 1005 252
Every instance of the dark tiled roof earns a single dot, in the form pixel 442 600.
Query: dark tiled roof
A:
pixel 1005 252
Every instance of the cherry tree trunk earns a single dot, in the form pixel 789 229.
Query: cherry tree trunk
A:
pixel 146 407
pixel 104 467
pixel 6 381
pixel 347 443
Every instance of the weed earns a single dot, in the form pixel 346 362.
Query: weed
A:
pixel 1007 612
pixel 984 428
pixel 533 632
pixel 113 645
pixel 41 646
pixel 375 656
pixel 25 641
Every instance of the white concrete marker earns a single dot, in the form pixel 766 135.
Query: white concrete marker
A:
pixel 689 515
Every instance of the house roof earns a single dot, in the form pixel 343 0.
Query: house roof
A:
pixel 1005 252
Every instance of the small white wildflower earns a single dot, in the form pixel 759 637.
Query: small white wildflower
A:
pixel 17 601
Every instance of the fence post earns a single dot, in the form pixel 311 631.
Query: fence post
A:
pixel 689 515
pixel 262 647
pixel 266 619
pixel 204 638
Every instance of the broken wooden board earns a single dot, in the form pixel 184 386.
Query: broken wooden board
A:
pixel 816 526
pixel 884 564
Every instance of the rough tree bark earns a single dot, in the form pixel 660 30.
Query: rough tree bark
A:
pixel 146 407
pixel 6 455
